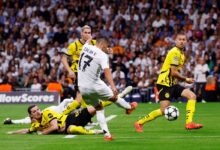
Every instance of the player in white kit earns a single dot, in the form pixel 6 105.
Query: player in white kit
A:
pixel 93 60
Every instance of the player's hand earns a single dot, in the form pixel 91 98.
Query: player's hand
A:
pixel 39 133
pixel 72 75
pixel 189 80
pixel 109 50
pixel 10 132
pixel 115 92
pixel 89 38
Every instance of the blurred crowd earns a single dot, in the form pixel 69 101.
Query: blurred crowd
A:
pixel 32 33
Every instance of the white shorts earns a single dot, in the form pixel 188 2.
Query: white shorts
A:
pixel 96 92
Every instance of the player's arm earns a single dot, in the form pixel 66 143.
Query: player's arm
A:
pixel 64 61
pixel 108 76
pixel 22 131
pixel 175 73
pixel 52 127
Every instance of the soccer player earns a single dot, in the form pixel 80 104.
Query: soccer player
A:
pixel 73 51
pixel 168 87
pixel 59 109
pixel 49 121
pixel 93 60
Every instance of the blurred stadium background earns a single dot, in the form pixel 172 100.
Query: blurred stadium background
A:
pixel 34 32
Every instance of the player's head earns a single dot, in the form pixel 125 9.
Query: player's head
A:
pixel 86 32
pixel 201 61
pixel 103 44
pixel 34 112
pixel 181 40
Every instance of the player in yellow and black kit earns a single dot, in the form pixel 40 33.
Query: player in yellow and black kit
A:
pixel 49 121
pixel 73 51
pixel 168 87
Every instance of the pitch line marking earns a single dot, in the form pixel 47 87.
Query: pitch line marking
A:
pixel 89 127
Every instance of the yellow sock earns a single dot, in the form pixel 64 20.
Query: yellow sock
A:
pixel 151 116
pixel 83 103
pixel 79 130
pixel 106 103
pixel 190 109
pixel 72 106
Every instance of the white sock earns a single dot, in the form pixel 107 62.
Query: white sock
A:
pixel 63 105
pixel 122 103
pixel 102 122
pixel 26 120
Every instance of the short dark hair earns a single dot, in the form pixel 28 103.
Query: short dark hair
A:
pixel 102 40
pixel 30 107
pixel 180 34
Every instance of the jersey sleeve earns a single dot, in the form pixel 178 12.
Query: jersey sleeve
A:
pixel 70 49
pixel 174 58
pixel 34 127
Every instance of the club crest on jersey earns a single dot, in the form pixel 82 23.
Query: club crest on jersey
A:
pixel 50 115
pixel 167 95
pixel 175 59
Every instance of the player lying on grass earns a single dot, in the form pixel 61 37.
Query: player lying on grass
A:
pixel 61 108
pixel 49 121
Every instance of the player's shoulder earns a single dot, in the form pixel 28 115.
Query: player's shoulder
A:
pixel 49 114
pixel 73 43
pixel 174 51
pixel 93 42
pixel 47 111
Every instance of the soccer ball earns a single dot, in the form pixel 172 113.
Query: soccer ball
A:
pixel 171 113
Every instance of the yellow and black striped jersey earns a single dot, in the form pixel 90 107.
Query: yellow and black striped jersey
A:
pixel 74 50
pixel 174 57
pixel 47 116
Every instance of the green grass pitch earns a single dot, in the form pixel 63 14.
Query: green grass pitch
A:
pixel 158 134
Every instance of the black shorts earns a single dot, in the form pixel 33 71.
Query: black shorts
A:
pixel 78 118
pixel 167 93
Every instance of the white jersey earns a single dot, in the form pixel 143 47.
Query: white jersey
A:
pixel 92 61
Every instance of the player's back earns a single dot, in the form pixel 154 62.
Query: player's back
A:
pixel 92 61
pixel 74 50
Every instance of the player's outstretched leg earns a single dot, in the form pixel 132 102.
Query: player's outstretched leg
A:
pixel 128 106
pixel 25 120
pixel 127 90
pixel 151 116
pixel 133 107
pixel 7 121
pixel 81 130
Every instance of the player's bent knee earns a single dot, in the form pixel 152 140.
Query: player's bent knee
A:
pixel 91 110
pixel 192 96
pixel 99 107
